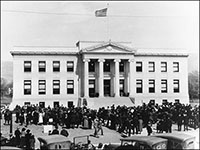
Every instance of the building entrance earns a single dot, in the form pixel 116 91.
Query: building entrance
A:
pixel 107 88
pixel 121 87
pixel 92 88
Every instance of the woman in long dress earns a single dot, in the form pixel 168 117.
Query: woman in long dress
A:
pixel 40 118
pixel 85 122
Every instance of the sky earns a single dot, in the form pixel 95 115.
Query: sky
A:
pixel 162 24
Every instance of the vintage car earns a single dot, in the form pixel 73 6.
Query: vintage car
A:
pixel 81 143
pixel 139 143
pixel 178 140
pixel 3 141
pixel 9 148
pixel 54 142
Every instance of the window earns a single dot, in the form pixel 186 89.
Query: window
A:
pixel 27 66
pixel 176 66
pixel 106 66
pixel 91 66
pixel 70 86
pixel 177 101
pixel 151 86
pixel 121 67
pixel 151 67
pixel 176 86
pixel 56 66
pixel 163 86
pixel 138 86
pixel 56 86
pixel 70 66
pixel 163 66
pixel 138 66
pixel 164 101
pixel 42 87
pixel 27 87
pixel 42 66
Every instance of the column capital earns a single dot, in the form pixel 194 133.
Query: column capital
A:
pixel 117 60
pixel 131 60
pixel 86 60
pixel 101 60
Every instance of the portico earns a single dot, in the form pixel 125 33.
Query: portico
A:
pixel 108 70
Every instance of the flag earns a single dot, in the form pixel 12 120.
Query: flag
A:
pixel 101 12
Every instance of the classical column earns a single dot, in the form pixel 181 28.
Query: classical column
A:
pixel 117 77
pixel 101 86
pixel 86 78
pixel 131 78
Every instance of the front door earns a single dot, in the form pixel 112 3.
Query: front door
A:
pixel 92 88
pixel 106 87
pixel 121 87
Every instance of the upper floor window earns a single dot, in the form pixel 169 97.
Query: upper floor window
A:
pixel 176 86
pixel 151 86
pixel 106 66
pixel 56 66
pixel 42 87
pixel 176 66
pixel 70 66
pixel 42 66
pixel 91 66
pixel 70 86
pixel 138 66
pixel 151 66
pixel 56 86
pixel 163 86
pixel 138 86
pixel 27 66
pixel 163 66
pixel 121 66
pixel 27 87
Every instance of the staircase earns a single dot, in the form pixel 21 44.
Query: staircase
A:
pixel 95 103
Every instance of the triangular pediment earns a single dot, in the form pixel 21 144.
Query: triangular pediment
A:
pixel 108 47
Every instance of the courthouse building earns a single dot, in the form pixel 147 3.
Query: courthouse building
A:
pixel 101 72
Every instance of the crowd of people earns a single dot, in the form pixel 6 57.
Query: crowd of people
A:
pixel 123 119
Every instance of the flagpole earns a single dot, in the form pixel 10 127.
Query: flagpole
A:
pixel 108 28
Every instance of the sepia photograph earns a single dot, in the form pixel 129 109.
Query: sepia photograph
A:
pixel 99 75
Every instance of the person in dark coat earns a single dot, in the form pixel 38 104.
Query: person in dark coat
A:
pixel 17 137
pixel 64 132
pixel 28 137
pixel 149 129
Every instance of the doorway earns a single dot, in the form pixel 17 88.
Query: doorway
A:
pixel 106 87
pixel 92 88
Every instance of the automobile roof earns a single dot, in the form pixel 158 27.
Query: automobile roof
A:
pixel 175 136
pixel 49 139
pixel 9 148
pixel 149 140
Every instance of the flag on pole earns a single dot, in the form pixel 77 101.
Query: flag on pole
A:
pixel 101 12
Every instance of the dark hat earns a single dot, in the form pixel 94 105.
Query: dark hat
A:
pixel 28 131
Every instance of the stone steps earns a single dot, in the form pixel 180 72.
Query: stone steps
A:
pixel 95 103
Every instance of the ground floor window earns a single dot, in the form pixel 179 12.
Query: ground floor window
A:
pixel 55 104
pixel 42 104
pixel 42 87
pixel 138 86
pixel 56 86
pixel 70 104
pixel 70 86
pixel 27 87
pixel 27 103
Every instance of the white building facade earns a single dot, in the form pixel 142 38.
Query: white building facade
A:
pixel 100 72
